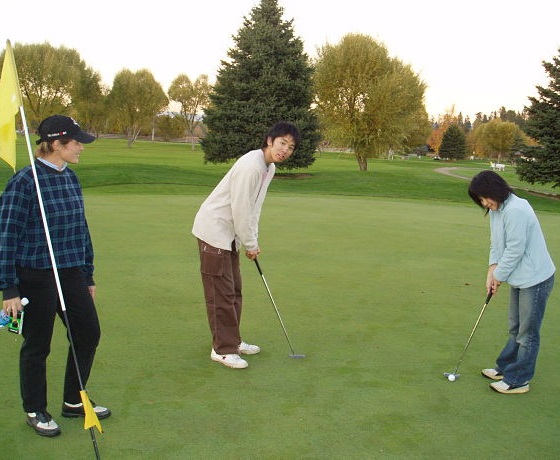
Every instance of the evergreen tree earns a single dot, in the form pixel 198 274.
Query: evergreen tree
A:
pixel 513 117
pixel 266 79
pixel 477 121
pixel 541 164
pixel 519 144
pixel 453 144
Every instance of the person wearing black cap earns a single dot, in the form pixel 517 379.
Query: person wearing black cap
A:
pixel 26 269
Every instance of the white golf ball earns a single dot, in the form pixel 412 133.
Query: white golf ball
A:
pixel 451 377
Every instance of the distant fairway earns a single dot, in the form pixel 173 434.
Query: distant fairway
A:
pixel 379 277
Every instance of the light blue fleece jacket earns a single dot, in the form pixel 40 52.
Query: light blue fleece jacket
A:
pixel 518 246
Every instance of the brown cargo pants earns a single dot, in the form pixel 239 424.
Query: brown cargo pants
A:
pixel 221 280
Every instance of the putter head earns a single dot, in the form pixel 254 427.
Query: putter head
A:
pixel 447 374
pixel 294 356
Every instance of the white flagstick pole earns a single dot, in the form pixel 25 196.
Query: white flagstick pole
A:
pixel 42 208
pixel 53 262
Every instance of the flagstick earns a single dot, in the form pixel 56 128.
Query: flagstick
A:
pixel 55 269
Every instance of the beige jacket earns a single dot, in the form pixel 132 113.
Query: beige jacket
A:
pixel 231 212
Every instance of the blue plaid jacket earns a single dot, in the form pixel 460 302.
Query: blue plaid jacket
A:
pixel 22 235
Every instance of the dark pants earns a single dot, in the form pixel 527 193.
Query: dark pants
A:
pixel 40 288
pixel 221 279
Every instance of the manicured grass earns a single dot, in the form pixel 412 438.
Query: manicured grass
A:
pixel 379 278
pixel 109 166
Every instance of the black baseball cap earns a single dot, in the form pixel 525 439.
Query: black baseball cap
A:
pixel 59 126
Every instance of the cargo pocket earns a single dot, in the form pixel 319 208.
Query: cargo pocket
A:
pixel 212 260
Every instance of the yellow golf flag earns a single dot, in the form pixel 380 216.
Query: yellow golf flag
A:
pixel 91 419
pixel 10 102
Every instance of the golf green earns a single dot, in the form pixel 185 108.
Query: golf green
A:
pixel 379 278
pixel 380 295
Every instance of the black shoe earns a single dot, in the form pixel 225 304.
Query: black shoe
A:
pixel 43 423
pixel 77 410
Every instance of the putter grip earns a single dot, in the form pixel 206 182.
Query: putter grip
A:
pixel 488 297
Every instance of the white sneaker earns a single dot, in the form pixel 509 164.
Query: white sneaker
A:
pixel 77 410
pixel 504 388
pixel 233 360
pixel 492 374
pixel 248 349
pixel 43 423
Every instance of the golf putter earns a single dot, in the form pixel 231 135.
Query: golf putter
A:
pixel 452 376
pixel 293 354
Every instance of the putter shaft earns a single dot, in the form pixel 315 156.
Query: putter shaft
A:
pixel 473 331
pixel 293 354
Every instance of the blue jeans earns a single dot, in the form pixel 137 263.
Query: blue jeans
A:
pixel 518 359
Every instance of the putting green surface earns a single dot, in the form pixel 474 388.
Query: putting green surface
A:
pixel 380 295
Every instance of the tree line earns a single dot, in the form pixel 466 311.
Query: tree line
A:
pixel 500 136
pixel 57 80
pixel 352 95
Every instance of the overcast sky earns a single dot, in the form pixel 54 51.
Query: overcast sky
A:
pixel 477 55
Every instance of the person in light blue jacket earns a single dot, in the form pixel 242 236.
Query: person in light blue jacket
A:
pixel 518 256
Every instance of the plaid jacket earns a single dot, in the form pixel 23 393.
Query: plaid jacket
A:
pixel 22 236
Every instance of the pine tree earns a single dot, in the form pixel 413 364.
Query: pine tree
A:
pixel 453 144
pixel 541 164
pixel 266 79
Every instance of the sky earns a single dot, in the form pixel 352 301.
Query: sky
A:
pixel 474 56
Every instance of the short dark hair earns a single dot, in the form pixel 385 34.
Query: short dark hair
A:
pixel 282 128
pixel 488 184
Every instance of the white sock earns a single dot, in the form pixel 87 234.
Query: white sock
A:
pixel 73 405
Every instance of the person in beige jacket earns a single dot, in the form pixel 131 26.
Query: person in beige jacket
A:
pixel 227 221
